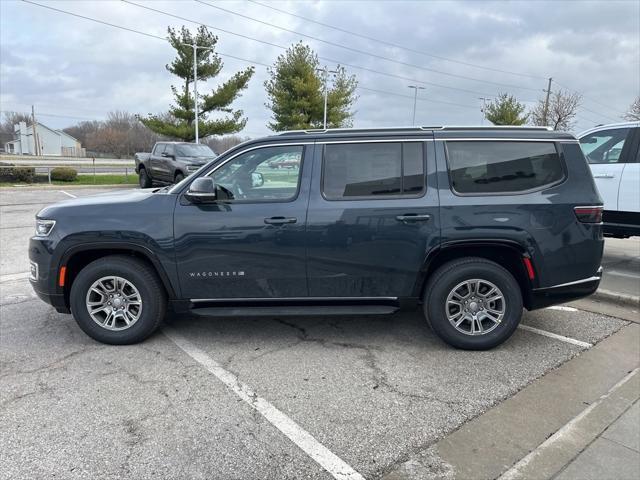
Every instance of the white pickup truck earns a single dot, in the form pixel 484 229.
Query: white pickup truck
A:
pixel 613 152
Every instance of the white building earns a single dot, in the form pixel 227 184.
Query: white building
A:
pixel 49 141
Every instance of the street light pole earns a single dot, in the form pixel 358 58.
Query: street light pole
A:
pixel 326 94
pixel 196 115
pixel 195 87
pixel 415 99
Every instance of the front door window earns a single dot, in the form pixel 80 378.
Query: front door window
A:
pixel 262 175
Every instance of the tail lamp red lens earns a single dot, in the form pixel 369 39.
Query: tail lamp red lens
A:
pixel 589 214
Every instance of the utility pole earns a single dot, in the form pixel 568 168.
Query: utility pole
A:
pixel 415 99
pixel 545 111
pixel 36 146
pixel 325 75
pixel 483 109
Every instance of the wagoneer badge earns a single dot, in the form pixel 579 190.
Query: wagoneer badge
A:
pixel 216 274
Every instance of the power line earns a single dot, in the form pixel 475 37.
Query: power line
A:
pixel 395 45
pixel 363 52
pixel 261 41
pixel 590 99
pixel 385 92
pixel 282 47
pixel 40 114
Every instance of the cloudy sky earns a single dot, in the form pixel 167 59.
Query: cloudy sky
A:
pixel 74 69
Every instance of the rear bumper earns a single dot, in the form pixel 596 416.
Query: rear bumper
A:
pixel 544 297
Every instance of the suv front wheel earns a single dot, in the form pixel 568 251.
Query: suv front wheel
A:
pixel 473 303
pixel 118 300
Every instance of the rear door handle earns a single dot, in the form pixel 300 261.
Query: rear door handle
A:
pixel 412 217
pixel 604 175
pixel 280 220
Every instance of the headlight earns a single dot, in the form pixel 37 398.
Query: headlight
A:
pixel 44 227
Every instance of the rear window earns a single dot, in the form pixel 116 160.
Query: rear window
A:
pixel 502 167
pixel 365 170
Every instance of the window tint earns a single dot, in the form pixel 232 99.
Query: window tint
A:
pixel 170 150
pixel 372 169
pixel 605 146
pixel 264 174
pixel 501 167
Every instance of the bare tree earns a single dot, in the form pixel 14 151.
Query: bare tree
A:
pixel 561 112
pixel 223 143
pixel 11 118
pixel 633 115
pixel 120 135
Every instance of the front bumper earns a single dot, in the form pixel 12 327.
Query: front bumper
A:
pixel 43 275
pixel 544 297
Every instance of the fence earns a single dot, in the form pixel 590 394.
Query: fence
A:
pixel 85 169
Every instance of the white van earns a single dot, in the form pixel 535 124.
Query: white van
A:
pixel 613 152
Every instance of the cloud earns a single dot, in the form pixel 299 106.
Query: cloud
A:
pixel 70 66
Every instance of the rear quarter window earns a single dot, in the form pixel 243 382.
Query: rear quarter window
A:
pixel 495 167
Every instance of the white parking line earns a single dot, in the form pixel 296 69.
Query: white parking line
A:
pixel 69 194
pixel 562 338
pixel 618 273
pixel 12 277
pixel 562 308
pixel 303 439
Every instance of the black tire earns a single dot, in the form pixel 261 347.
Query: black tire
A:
pixel 144 179
pixel 138 273
pixel 178 178
pixel 451 274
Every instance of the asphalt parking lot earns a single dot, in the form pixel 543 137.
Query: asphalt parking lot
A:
pixel 245 398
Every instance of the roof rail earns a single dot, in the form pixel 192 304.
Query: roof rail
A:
pixel 411 129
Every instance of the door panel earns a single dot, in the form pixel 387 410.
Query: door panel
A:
pixel 606 152
pixel 157 170
pixel 629 197
pixel 607 178
pixel 369 247
pixel 250 245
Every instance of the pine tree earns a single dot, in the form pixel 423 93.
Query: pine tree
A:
pixel 296 92
pixel 506 110
pixel 179 121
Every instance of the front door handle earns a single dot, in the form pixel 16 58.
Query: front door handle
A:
pixel 413 217
pixel 280 220
pixel 604 175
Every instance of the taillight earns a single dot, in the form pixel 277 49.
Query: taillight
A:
pixel 589 214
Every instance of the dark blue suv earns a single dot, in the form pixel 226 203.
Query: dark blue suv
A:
pixel 469 224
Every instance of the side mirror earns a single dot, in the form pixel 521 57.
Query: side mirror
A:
pixel 202 190
pixel 167 155
pixel 257 180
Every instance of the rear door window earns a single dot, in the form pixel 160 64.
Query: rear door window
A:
pixel 486 167
pixel 369 170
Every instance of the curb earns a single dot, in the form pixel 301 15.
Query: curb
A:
pixel 65 187
pixel 609 296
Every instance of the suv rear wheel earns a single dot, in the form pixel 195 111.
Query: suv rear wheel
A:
pixel 118 300
pixel 473 303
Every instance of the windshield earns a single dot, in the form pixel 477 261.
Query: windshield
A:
pixel 194 150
